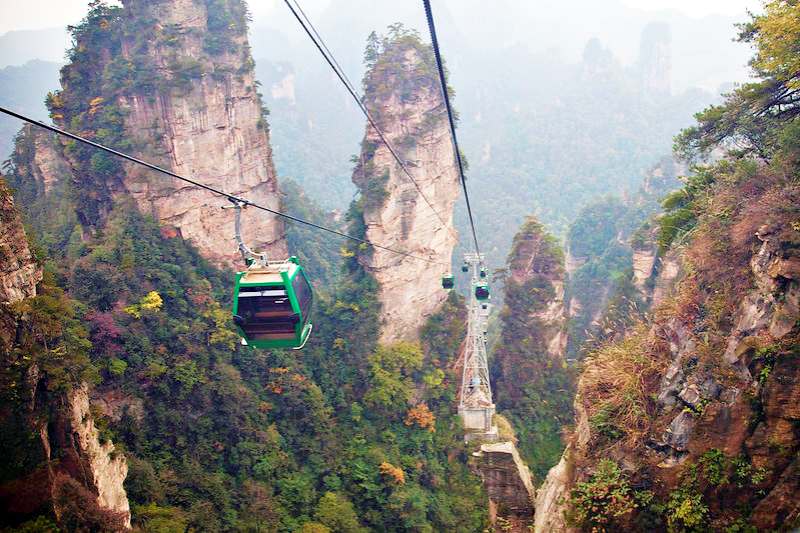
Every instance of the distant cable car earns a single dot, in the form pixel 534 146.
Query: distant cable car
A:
pixel 465 267
pixel 272 300
pixel 448 281
pixel 482 291
pixel 483 272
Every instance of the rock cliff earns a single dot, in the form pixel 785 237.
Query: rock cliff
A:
pixel 707 427
pixel 19 272
pixel 106 468
pixel 508 483
pixel 402 93
pixel 529 374
pixel 179 90
pixel 47 424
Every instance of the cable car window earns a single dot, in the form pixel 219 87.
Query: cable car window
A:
pixel 266 313
pixel 303 293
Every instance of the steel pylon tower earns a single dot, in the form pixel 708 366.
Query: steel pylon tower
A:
pixel 475 405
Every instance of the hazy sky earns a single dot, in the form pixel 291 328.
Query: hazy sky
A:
pixel 36 14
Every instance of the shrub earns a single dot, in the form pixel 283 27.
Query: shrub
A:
pixel 603 501
pixel 616 385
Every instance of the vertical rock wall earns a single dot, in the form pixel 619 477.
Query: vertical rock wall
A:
pixel 402 92
pixel 533 337
pixel 106 469
pixel 19 272
pixel 211 128
pixel 69 441
pixel 171 81
pixel 508 483
pixel 720 375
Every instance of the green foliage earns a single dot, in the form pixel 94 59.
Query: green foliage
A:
pixel 336 512
pixel 532 387
pixel 391 381
pixel 753 116
pixel 686 510
pixel 681 207
pixel 40 524
pixel 604 501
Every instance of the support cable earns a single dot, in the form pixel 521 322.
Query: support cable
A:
pixel 232 197
pixel 443 82
pixel 331 60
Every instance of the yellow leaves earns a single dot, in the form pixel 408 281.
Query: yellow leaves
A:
pixel 346 252
pixel 777 34
pixel 422 417
pixel 149 304
pixel 394 474
pixel 94 104
pixel 343 306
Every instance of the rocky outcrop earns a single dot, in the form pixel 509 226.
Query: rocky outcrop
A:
pixel 407 104
pixel 644 262
pixel 19 272
pixel 507 481
pixel 552 497
pixel 180 92
pixel 105 468
pixel 655 59
pixel 212 129
pixel 718 372
pixel 68 441
pixel 533 335
pixel 536 263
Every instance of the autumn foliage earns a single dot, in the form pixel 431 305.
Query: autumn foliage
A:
pixel 422 417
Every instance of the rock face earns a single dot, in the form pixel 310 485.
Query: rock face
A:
pixel 534 308
pixel 719 372
pixel 508 483
pixel 19 273
pixel 403 94
pixel 213 130
pixel 552 497
pixel 655 58
pixel 530 376
pixel 68 441
pixel 105 468
pixel 180 93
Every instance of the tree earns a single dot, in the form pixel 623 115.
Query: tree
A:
pixel 336 512
pixel 391 370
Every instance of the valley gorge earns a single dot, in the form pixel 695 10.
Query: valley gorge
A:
pixel 642 347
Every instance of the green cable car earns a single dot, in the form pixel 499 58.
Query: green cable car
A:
pixel 482 291
pixel 448 281
pixel 272 300
pixel 272 305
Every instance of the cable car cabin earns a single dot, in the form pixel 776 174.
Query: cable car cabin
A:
pixel 272 305
pixel 448 281
pixel 482 291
